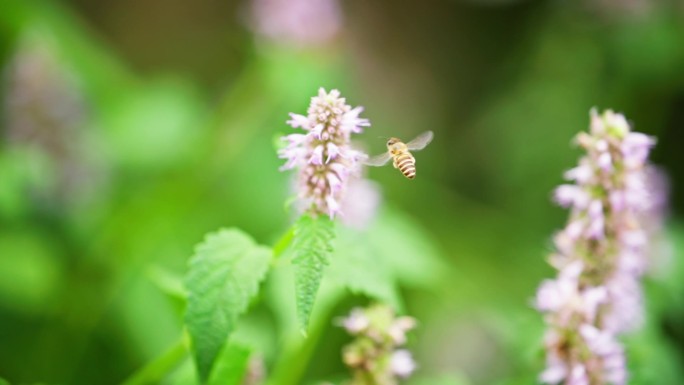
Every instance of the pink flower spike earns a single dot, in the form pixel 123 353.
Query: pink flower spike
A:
pixel 376 355
pixel 324 170
pixel 600 255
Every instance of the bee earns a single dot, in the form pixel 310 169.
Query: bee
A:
pixel 400 153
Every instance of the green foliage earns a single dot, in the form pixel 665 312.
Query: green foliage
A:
pixel 311 250
pixel 224 276
pixel 392 252
pixel 30 275
pixel 358 268
pixel 408 251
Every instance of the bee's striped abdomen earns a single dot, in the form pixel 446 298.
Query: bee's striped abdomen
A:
pixel 406 163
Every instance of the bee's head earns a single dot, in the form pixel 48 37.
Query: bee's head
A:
pixel 392 141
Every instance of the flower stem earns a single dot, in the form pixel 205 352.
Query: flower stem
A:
pixel 297 352
pixel 157 369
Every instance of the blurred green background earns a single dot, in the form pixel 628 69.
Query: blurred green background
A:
pixel 129 129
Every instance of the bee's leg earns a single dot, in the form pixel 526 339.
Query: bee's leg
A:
pixel 394 163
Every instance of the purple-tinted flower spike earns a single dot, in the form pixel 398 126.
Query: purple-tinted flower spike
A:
pixel 601 255
pixel 323 155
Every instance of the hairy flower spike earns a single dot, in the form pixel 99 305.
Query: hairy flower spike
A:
pixel 601 256
pixel 375 356
pixel 323 155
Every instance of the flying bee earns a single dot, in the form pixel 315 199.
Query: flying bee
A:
pixel 400 153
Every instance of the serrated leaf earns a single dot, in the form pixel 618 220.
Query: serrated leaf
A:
pixel 231 366
pixel 311 249
pixel 224 276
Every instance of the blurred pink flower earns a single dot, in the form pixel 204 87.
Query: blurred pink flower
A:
pixel 356 322
pixel 402 363
pixel 375 356
pixel 601 255
pixel 360 204
pixel 297 22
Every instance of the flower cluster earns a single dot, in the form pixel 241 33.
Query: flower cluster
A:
pixel 323 155
pixel 374 356
pixel 601 255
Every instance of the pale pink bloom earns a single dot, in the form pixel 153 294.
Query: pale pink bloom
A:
pixel 399 327
pixel 578 375
pixel 574 229
pixel 605 161
pixel 555 371
pixel 581 174
pixel 614 123
pixel 568 195
pixel 402 363
pixel 356 322
pixel 635 149
pixel 565 245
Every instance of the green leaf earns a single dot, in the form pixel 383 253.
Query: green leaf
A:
pixel 311 246
pixel 224 276
pixel 231 366
pixel 407 249
pixel 4 382
pixel 356 266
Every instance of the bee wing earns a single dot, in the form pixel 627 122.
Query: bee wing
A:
pixel 420 141
pixel 378 160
